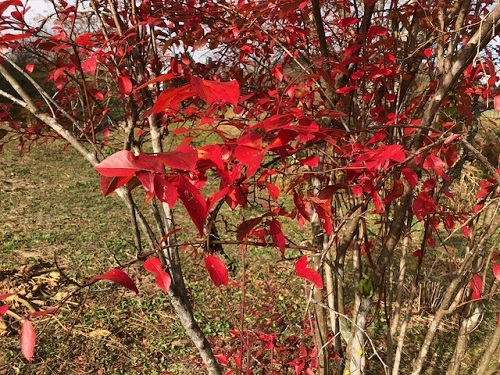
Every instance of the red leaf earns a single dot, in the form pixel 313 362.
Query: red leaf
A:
pixel 163 77
pixel 273 190
pixel 348 21
pixel 125 85
pixel 277 235
pixel 311 161
pixel 27 340
pixel 222 359
pixel 217 270
pixel 217 92
pixel 183 158
pixel 30 67
pixel 47 311
pixel 162 281
pixel 83 39
pixel 496 102
pixel 116 276
pixel 346 89
pixel 428 52
pixel 496 271
pixel 172 97
pixel 434 163
pixel 89 66
pixel 194 202
pixel 162 278
pixel 110 184
pixel 301 270
pixel 125 163
pixel 246 227
pixel 477 286
pixel 153 265
pixel 3 310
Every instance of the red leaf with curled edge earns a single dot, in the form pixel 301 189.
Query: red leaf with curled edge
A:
pixel 496 271
pixel 110 184
pixel 171 98
pixel 217 92
pixel 125 163
pixel 433 163
pixel 476 285
pixel 496 102
pixel 301 270
pixel 194 202
pixel 277 236
pixel 216 270
pixel 27 340
pixel 125 85
pixel 3 310
pixel 116 276
pixel 183 158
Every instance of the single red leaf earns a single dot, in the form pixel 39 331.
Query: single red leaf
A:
pixel 496 271
pixel 153 265
pixel 273 190
pixel 89 66
pixel 301 270
pixel 277 236
pixel 216 92
pixel 125 85
pixel 183 158
pixel 216 270
pixel 434 163
pixel 496 102
pixel 476 285
pixel 83 39
pixel 165 189
pixel 116 276
pixel 222 359
pixel 119 164
pixel 163 77
pixel 110 184
pixel 347 21
pixel 171 98
pixel 194 202
pixel 311 161
pixel 47 311
pixel 125 163
pixel 30 67
pixel 27 340
pixel 162 281
pixel 3 310
pixel 428 52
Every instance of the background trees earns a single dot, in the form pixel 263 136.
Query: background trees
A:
pixel 352 119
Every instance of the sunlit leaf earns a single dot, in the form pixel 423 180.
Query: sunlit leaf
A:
pixel 116 276
pixel 27 340
pixel 301 270
pixel 216 270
